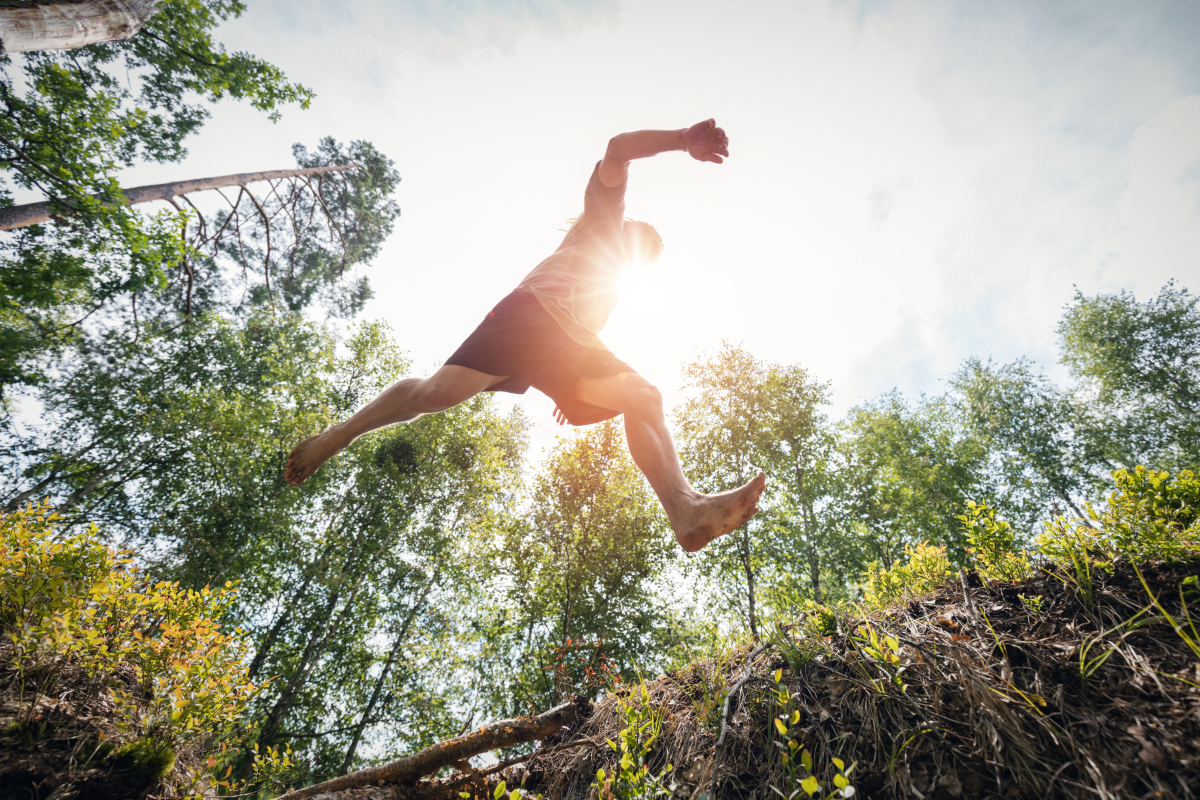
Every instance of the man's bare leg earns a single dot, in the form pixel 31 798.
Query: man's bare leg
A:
pixel 403 401
pixel 696 518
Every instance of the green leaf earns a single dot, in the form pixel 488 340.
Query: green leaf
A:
pixel 778 674
pixel 795 717
pixel 600 775
pixel 500 789
pixel 840 781
pixel 806 760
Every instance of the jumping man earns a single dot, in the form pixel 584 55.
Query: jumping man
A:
pixel 544 335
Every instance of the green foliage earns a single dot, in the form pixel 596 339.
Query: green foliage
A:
pixel 993 545
pixel 797 761
pixel 632 779
pixel 1150 515
pixel 926 568
pixel 744 415
pixel 84 115
pixel 78 614
pixel 1138 367
pixel 575 576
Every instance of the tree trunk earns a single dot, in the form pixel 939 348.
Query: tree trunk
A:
pixel 260 656
pixel 33 213
pixel 810 528
pixel 387 668
pixel 749 581
pixel 67 25
pixel 504 733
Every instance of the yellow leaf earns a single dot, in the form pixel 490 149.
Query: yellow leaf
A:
pixel 778 674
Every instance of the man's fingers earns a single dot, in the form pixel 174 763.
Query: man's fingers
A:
pixel 713 157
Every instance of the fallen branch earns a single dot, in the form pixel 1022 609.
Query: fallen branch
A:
pixel 505 733
pixel 33 213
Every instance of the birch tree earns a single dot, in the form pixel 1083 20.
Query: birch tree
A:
pixel 68 24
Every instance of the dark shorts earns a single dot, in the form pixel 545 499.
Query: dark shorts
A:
pixel 520 339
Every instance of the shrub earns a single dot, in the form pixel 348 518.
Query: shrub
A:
pixel 85 631
pixel 1149 516
pixel 926 568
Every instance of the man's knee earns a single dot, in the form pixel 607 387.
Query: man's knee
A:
pixel 433 395
pixel 645 398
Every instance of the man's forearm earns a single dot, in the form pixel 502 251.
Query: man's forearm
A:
pixel 625 147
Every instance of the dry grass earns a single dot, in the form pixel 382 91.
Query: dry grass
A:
pixel 994 706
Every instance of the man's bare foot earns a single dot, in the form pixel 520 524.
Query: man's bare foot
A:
pixel 308 456
pixel 714 515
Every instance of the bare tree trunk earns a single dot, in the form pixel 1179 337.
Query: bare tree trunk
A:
pixel 67 25
pixel 33 213
pixel 387 668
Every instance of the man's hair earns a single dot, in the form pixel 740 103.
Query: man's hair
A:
pixel 650 243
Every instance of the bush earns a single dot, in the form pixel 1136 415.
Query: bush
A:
pixel 87 638
pixel 926 568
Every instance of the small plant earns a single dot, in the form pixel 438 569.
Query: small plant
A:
pixel 1033 604
pixel 993 545
pixel 581 667
pixel 632 779
pixel 884 651
pixel 1150 515
pixel 926 568
pixel 797 761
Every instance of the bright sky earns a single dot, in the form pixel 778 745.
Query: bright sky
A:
pixel 911 183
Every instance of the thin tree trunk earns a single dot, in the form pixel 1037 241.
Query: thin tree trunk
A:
pixel 67 25
pixel 749 581
pixel 387 668
pixel 314 650
pixel 92 483
pixel 33 213
pixel 261 655
pixel 37 488
pixel 810 526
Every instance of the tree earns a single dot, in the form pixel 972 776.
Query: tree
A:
pixel 1029 426
pixel 572 580
pixel 1137 367
pixel 906 474
pixel 71 119
pixel 291 240
pixel 66 25
pixel 745 414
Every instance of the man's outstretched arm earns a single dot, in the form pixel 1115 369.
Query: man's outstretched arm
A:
pixel 704 141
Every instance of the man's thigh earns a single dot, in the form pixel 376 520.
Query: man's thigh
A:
pixel 615 392
pixel 453 384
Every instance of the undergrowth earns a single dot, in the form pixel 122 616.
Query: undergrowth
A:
pixel 111 685
pixel 1069 669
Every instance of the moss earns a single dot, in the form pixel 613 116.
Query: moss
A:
pixel 144 761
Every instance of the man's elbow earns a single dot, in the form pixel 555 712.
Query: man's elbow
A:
pixel 616 150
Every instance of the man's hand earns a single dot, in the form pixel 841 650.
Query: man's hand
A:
pixel 704 141
pixel 560 415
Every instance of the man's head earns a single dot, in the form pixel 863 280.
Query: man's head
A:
pixel 642 242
